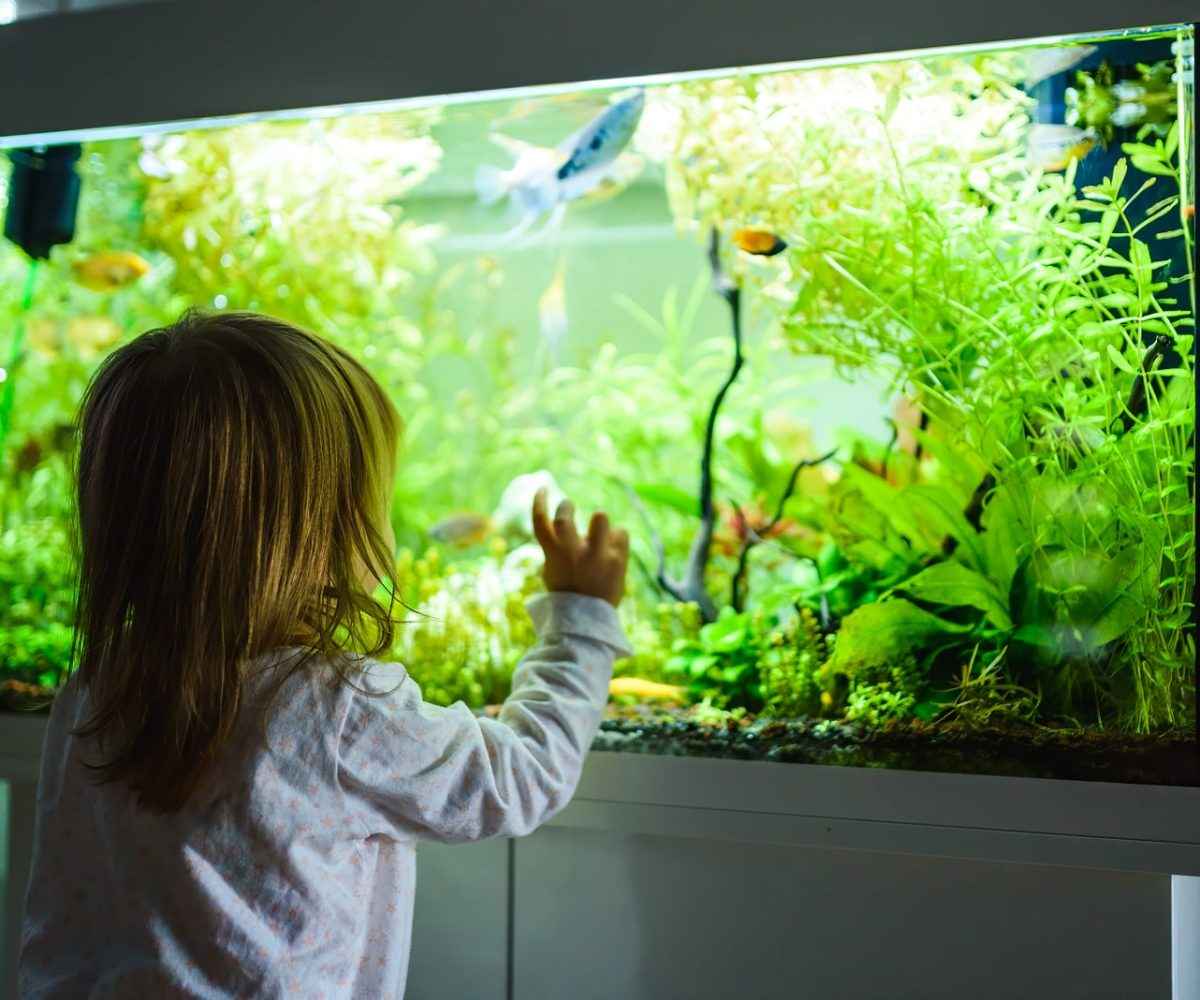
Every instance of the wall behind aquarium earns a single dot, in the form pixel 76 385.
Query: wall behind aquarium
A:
pixel 22 10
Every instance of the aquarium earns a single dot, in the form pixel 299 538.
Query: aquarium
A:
pixel 886 363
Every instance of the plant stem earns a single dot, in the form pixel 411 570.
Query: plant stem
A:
pixel 15 353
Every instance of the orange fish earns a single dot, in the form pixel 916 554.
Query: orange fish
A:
pixel 462 530
pixel 1189 211
pixel 110 270
pixel 760 242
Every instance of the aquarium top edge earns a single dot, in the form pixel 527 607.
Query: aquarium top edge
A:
pixel 123 71
pixel 393 105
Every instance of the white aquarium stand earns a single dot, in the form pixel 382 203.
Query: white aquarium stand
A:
pixel 683 877
pixel 675 878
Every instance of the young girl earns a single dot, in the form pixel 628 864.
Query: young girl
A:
pixel 232 787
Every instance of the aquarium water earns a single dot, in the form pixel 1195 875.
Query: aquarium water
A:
pixel 887 365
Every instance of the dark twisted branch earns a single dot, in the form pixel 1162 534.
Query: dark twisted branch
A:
pixel 754 536
pixel 973 511
pixel 691 587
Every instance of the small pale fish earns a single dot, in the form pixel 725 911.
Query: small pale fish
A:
pixel 109 270
pixel 462 530
pixel 92 335
pixel 43 337
pixel 760 242
pixel 1045 63
pixel 538 184
pixel 1054 147
pixel 552 313
pixel 636 687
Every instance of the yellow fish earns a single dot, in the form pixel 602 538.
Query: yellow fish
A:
pixel 43 337
pixel 1054 147
pixel 110 270
pixel 760 242
pixel 93 334
pixel 636 687
pixel 462 530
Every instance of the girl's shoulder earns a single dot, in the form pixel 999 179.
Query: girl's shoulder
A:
pixel 301 678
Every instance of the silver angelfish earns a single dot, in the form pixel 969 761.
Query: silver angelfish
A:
pixel 538 184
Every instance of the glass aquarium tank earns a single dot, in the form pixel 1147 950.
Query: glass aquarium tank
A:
pixel 886 363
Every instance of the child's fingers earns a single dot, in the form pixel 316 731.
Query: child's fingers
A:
pixel 597 534
pixel 564 526
pixel 543 531
pixel 620 541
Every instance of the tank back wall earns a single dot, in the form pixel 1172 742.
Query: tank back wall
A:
pixel 190 59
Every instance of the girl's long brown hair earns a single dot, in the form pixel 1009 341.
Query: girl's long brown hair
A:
pixel 233 486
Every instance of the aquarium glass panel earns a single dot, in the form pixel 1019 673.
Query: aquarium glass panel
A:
pixel 887 366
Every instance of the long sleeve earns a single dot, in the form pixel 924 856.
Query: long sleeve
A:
pixel 409 769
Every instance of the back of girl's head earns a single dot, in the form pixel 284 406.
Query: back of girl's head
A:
pixel 233 486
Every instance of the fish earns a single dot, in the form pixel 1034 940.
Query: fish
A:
pixel 110 269
pixel 529 159
pixel 43 338
pixel 1045 63
pixel 636 687
pixel 552 313
pixel 29 455
pixel 543 182
pixel 1189 211
pixel 92 335
pixel 760 242
pixel 462 530
pixel 1054 147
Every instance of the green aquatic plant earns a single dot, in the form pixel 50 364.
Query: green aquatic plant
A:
pixel 302 220
pixel 55 327
pixel 1044 342
pixel 654 634
pixel 788 668
pixel 1145 100
pixel 467 628
pixel 877 704
pixel 37 583
pixel 722 663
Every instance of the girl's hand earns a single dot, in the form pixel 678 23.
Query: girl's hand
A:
pixel 592 566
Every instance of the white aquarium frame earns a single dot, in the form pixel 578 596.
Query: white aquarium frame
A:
pixel 116 71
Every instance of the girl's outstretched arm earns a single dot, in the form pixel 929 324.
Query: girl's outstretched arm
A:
pixel 410 769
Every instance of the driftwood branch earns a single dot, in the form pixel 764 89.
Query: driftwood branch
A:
pixel 887 452
pixel 691 586
pixel 973 512
pixel 755 536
